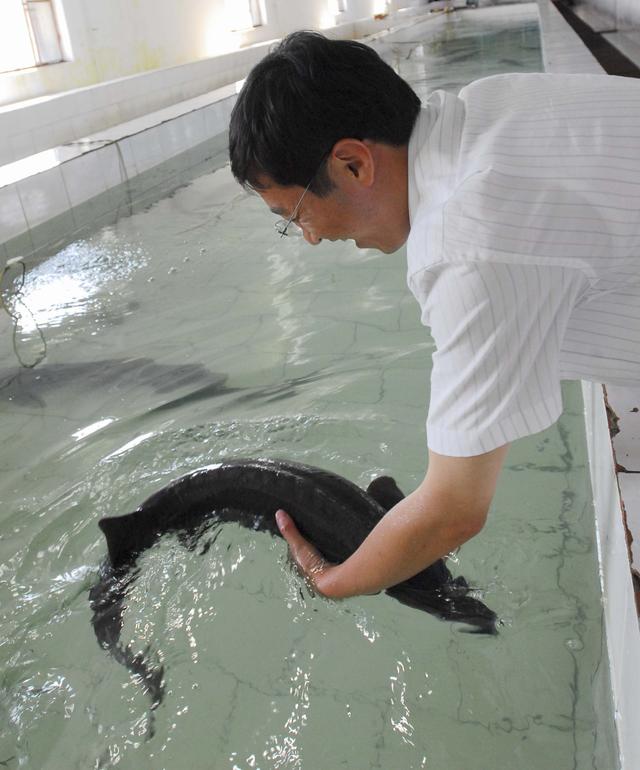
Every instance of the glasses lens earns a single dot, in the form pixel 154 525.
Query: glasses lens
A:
pixel 289 229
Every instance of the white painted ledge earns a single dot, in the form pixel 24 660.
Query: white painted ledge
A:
pixel 621 619
pixel 625 402
pixel 562 49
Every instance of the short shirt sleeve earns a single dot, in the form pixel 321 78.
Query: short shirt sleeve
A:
pixel 498 330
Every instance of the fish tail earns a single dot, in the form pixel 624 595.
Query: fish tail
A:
pixel 449 602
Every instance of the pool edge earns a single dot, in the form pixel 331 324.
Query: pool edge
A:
pixel 621 621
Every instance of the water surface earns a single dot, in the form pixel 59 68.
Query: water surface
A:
pixel 187 333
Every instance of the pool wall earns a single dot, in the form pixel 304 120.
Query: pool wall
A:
pixel 56 192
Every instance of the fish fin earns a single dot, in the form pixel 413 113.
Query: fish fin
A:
pixel 459 608
pixel 126 537
pixel 385 492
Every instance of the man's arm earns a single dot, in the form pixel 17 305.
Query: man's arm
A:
pixel 448 508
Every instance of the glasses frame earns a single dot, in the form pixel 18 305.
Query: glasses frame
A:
pixel 282 225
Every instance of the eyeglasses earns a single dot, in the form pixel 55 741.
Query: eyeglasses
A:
pixel 282 225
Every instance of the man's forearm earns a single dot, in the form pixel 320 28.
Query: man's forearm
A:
pixel 411 536
pixel 448 508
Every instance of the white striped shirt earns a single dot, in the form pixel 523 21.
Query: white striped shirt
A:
pixel 524 250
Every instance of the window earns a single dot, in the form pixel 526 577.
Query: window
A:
pixel 28 34
pixel 337 6
pixel 244 14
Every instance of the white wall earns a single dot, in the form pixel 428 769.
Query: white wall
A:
pixel 625 13
pixel 108 40
pixel 118 74
pixel 628 14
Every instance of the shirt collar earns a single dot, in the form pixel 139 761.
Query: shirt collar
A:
pixel 421 130
pixel 434 149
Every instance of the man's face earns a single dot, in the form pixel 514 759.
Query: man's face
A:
pixel 334 217
pixel 367 203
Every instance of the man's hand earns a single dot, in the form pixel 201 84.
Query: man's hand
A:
pixel 312 565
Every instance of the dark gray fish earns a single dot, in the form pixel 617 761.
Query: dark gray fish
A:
pixel 332 512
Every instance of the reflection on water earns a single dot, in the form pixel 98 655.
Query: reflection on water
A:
pixel 79 280
pixel 325 362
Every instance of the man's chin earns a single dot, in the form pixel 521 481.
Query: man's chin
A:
pixel 385 248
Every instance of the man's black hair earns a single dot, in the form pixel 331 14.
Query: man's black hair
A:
pixel 303 97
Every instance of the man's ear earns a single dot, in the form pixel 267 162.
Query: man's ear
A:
pixel 353 161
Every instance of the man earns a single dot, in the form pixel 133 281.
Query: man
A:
pixel 519 201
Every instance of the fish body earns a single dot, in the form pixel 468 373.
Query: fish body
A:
pixel 330 511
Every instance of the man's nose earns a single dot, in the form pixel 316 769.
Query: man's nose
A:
pixel 311 238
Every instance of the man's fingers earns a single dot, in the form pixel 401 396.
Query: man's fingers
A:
pixel 303 553
pixel 284 522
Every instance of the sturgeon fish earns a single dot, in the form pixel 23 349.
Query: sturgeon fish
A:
pixel 332 512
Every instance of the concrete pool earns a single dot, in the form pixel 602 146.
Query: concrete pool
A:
pixel 340 384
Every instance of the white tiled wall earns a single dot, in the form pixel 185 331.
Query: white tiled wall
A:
pixel 13 221
pixel 70 176
pixel 32 125
pixel 623 12
pixel 617 20
pixel 43 196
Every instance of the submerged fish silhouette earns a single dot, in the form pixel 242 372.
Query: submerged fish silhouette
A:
pixel 24 386
pixel 176 384
pixel 332 512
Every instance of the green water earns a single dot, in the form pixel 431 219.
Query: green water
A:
pixel 187 333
